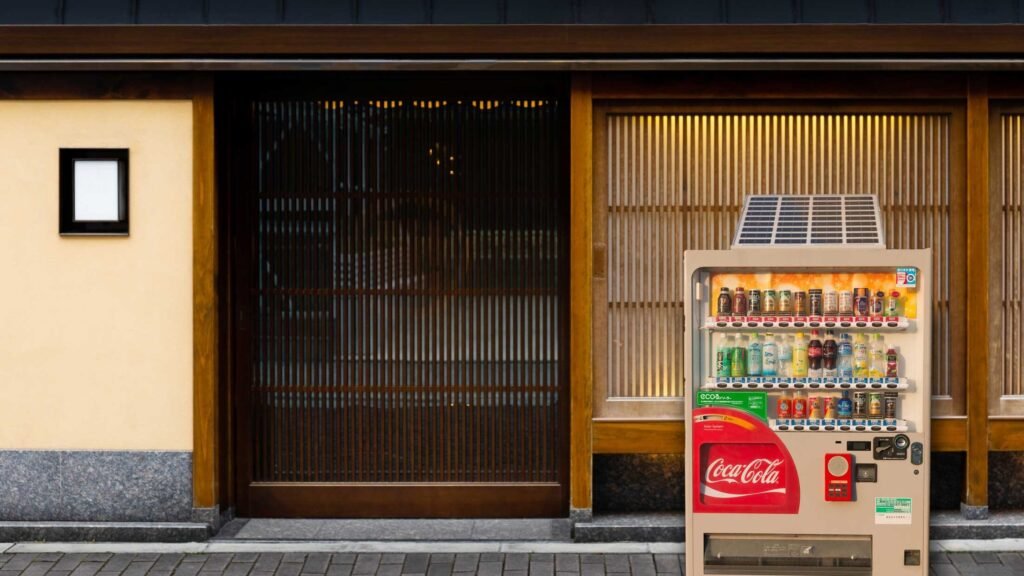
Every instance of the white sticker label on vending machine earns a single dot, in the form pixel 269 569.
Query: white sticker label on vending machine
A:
pixel 890 510
pixel 906 277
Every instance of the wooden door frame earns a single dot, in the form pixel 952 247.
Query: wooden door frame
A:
pixel 366 500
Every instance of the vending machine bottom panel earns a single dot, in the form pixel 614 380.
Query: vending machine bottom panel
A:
pixel 766 554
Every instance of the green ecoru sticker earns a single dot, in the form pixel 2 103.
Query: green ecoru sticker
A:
pixel 753 402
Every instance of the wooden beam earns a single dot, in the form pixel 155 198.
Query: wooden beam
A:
pixel 1006 435
pixel 976 484
pixel 537 40
pixel 949 434
pixel 580 294
pixel 780 85
pixel 639 437
pixel 204 293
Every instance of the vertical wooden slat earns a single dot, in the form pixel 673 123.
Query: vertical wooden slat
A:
pixel 205 362
pixel 976 484
pixel 580 294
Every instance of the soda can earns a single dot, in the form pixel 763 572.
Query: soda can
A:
pixel 844 406
pixel 785 302
pixel 828 407
pixel 830 302
pixel 875 405
pixel 799 407
pixel 815 302
pixel 800 303
pixel 846 303
pixel 754 303
pixel 814 407
pixel 878 304
pixel 862 301
pixel 783 408
pixel 860 404
pixel 890 405
pixel 771 302
pixel 738 362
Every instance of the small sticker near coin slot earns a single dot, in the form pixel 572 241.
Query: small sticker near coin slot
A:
pixel 890 448
pixel 866 473
pixel 911 557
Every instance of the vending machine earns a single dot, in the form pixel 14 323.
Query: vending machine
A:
pixel 807 395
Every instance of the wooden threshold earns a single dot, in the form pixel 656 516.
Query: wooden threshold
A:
pixel 525 500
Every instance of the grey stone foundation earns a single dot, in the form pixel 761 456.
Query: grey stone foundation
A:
pixel 95 486
pixel 638 483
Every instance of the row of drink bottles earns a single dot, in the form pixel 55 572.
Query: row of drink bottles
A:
pixel 862 405
pixel 799 357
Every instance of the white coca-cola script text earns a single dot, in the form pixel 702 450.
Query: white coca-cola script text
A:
pixel 764 471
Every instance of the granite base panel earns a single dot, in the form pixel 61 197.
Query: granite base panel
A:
pixel 104 532
pixel 95 486
pixel 653 527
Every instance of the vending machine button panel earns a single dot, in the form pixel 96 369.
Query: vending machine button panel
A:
pixel 838 477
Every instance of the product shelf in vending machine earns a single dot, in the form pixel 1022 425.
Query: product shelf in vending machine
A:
pixel 808 422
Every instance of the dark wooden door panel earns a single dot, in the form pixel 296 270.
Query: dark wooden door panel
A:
pixel 405 280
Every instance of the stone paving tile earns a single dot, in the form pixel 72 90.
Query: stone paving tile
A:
pixel 443 569
pixel 489 569
pixel 392 558
pixel 541 567
pixel 37 568
pixel 517 562
pixel 87 569
pixel 285 569
pixel 316 563
pixel 616 563
pixel 137 568
pixel 335 570
pixel 389 570
pixel 168 561
pixel 591 569
pixel 343 558
pixel 667 564
pixel 234 569
pixel 416 564
pixel 366 564
pixel 188 569
pixel 567 562
pixel 465 562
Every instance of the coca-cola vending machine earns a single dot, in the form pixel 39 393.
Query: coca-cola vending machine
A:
pixel 807 395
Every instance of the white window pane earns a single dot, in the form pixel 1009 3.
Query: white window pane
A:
pixel 96 197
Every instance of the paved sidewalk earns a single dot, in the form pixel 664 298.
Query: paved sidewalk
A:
pixel 398 564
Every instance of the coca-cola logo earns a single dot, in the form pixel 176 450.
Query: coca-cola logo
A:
pixel 760 471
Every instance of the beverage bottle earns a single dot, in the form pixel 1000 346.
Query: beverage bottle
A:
pixel 799 357
pixel 738 361
pixel 844 406
pixel 860 357
pixel 892 306
pixel 754 356
pixel 892 363
pixel 814 355
pixel 877 368
pixel 845 350
pixel 829 353
pixel 723 358
pixel 770 356
pixel 724 302
pixel 739 302
pixel 785 367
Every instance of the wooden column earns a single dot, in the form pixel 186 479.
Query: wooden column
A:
pixel 975 502
pixel 580 295
pixel 204 294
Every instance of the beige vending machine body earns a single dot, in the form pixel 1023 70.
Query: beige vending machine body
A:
pixel 884 530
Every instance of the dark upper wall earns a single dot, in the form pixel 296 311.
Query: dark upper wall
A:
pixel 508 11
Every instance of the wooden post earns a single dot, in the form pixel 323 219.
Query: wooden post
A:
pixel 975 501
pixel 204 305
pixel 580 298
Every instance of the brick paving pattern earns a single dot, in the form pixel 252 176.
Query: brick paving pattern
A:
pixel 384 564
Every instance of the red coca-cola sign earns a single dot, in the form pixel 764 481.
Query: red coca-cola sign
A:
pixel 742 465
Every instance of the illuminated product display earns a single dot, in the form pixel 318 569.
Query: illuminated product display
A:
pixel 807 414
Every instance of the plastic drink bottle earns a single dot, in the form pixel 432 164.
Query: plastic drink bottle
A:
pixel 785 367
pixel 860 357
pixel 754 356
pixel 770 357
pixel 829 354
pixel 814 355
pixel 877 368
pixel 738 361
pixel 799 357
pixel 723 358
pixel 845 363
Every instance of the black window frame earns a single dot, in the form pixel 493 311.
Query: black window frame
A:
pixel 71 227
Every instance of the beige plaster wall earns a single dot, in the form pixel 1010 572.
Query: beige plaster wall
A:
pixel 96 333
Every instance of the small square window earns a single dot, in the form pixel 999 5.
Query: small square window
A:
pixel 94 191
